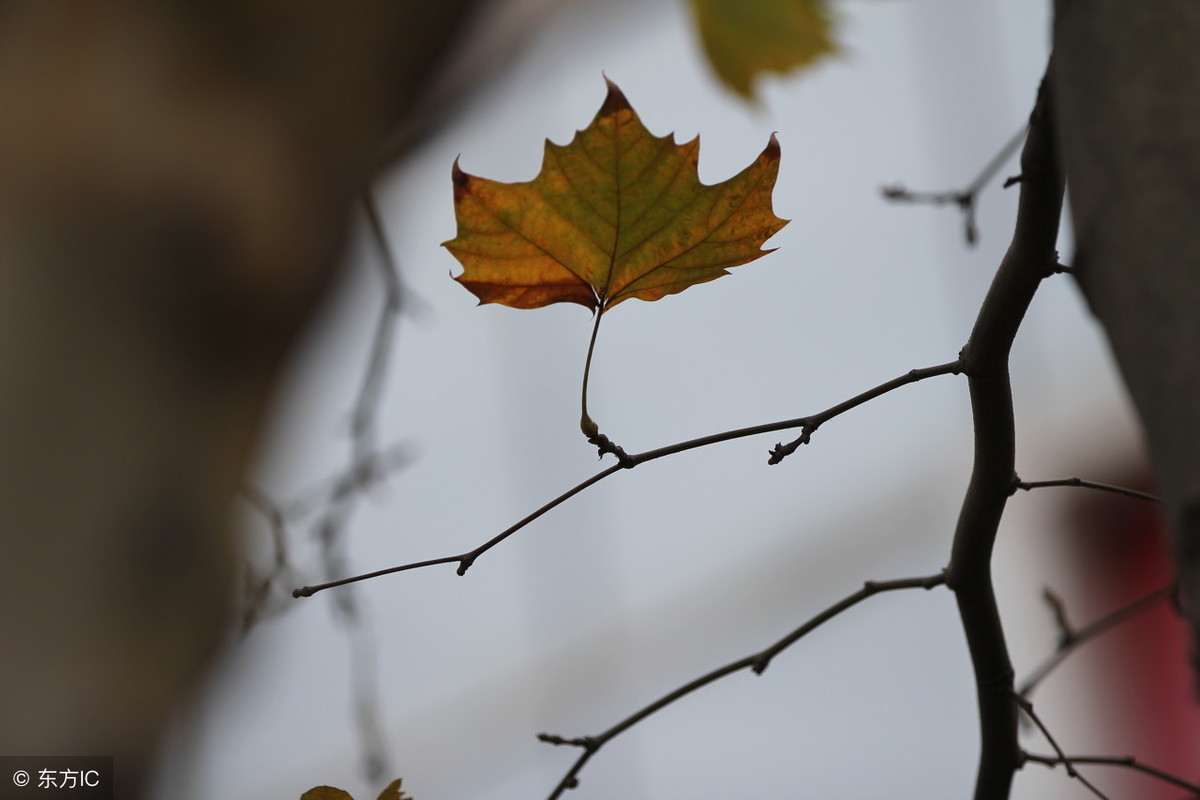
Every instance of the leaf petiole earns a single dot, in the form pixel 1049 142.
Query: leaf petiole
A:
pixel 586 424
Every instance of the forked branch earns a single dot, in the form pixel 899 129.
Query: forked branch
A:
pixel 1126 762
pixel 1070 638
pixel 966 199
pixel 465 560
pixel 1062 758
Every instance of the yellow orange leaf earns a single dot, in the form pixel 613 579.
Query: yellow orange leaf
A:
pixel 325 793
pixel 743 38
pixel 392 792
pixel 616 213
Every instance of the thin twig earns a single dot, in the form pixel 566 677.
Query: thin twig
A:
pixel 465 560
pixel 1020 485
pixel 366 465
pixel 782 451
pixel 357 477
pixel 1069 640
pixel 1066 631
pixel 1063 759
pixel 967 198
pixel 757 663
pixel 1127 762
pixel 257 587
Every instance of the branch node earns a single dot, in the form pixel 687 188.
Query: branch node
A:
pixel 588 743
pixel 781 451
pixel 605 445
pixel 1066 632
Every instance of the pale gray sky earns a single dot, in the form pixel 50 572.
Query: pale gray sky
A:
pixel 653 578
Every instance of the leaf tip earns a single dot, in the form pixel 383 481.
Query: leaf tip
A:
pixel 615 100
pixel 771 151
pixel 459 177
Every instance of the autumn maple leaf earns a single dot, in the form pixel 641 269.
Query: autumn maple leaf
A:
pixel 392 792
pixel 745 38
pixel 616 213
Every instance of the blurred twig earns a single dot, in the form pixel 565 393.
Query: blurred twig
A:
pixel 966 198
pixel 1069 639
pixel 1061 757
pixel 1128 762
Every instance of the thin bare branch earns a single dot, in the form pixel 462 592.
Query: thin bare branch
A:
pixel 465 560
pixel 967 198
pixel 1063 758
pixel 810 425
pixel 757 663
pixel 1020 485
pixel 365 416
pixel 338 500
pixel 1066 631
pixel 257 587
pixel 1069 639
pixel 1126 762
pixel 361 475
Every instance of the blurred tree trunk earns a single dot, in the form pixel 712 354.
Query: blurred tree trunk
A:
pixel 1127 83
pixel 176 182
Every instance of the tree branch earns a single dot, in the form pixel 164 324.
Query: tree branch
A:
pixel 810 423
pixel 985 361
pixel 1128 762
pixel 757 663
pixel 781 451
pixel 1063 759
pixel 1070 639
pixel 1020 485
pixel 967 198
pixel 366 406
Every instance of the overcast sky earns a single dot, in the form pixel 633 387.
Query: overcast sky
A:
pixel 655 577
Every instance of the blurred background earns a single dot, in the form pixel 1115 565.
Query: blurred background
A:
pixel 652 578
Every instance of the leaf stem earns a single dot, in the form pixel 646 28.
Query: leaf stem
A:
pixel 586 424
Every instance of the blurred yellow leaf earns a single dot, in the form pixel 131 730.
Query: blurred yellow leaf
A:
pixel 392 792
pixel 743 38
pixel 325 793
